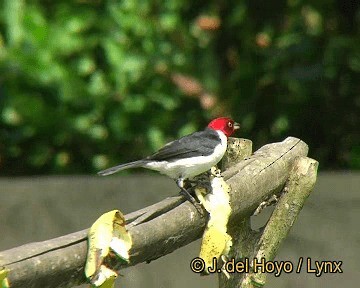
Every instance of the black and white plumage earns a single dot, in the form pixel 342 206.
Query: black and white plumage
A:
pixel 187 156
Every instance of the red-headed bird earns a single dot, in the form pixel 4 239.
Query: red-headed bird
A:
pixel 188 156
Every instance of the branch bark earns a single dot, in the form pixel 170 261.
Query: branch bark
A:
pixel 255 245
pixel 301 182
pixel 163 228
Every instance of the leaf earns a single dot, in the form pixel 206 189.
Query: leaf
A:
pixel 14 13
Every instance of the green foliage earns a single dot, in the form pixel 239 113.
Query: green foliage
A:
pixel 88 84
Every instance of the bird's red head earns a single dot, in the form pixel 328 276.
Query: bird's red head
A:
pixel 224 124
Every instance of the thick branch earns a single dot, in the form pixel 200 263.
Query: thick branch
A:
pixel 301 182
pixel 59 262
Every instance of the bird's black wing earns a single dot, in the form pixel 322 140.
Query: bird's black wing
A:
pixel 200 143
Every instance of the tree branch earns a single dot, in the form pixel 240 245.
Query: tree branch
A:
pixel 299 185
pixel 59 262
pixel 301 182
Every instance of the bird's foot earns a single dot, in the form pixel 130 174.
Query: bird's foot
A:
pixel 192 200
pixel 187 195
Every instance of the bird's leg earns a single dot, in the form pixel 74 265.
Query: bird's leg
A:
pixel 188 196
pixel 184 192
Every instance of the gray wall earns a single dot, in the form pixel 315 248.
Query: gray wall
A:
pixel 36 209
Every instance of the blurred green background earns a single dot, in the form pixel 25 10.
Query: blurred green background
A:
pixel 87 84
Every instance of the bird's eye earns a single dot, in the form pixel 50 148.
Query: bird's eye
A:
pixel 230 125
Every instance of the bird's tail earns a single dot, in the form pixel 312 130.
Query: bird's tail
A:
pixel 120 167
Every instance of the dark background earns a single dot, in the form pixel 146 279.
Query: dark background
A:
pixel 86 84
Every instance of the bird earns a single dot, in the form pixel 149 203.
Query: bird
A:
pixel 188 156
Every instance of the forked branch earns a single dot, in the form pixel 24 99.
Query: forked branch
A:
pixel 158 229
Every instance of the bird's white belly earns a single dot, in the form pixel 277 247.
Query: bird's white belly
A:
pixel 189 167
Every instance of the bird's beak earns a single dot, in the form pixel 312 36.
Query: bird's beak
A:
pixel 236 126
